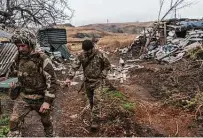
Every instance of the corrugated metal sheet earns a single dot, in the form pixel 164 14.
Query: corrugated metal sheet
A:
pixel 47 37
pixel 8 52
pixel 55 39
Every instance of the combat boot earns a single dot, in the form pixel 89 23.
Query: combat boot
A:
pixel 48 130
pixel 94 123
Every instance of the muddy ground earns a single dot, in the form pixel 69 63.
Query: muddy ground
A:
pixel 159 92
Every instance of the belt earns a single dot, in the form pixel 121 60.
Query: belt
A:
pixel 31 96
pixel 31 101
pixel 29 91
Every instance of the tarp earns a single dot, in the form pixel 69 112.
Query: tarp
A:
pixel 55 39
pixel 58 48
pixel 64 51
pixel 4 34
pixel 6 83
pixel 192 24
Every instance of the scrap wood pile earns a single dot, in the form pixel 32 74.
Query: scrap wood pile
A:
pixel 172 40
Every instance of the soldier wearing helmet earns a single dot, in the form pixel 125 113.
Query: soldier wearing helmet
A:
pixel 95 66
pixel 36 83
pixel 25 37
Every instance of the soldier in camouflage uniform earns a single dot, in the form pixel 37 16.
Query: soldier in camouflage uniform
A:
pixel 95 67
pixel 37 82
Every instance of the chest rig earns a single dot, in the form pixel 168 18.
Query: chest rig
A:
pixel 30 73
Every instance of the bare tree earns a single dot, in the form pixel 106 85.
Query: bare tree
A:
pixel 178 4
pixel 161 5
pixel 38 12
pixel 174 5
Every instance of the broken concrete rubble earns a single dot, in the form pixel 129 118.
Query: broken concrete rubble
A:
pixel 192 46
pixel 172 59
pixel 122 72
pixel 172 40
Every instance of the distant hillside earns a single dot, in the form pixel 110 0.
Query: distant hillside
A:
pixel 130 28
pixel 107 40
pixel 109 36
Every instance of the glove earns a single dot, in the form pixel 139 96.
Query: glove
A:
pixel 14 91
pixel 44 107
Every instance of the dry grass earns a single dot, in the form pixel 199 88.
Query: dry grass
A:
pixel 75 47
pixel 72 40
pixel 72 31
pixel 108 40
pixel 117 41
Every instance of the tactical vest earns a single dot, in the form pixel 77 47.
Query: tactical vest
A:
pixel 30 75
pixel 93 65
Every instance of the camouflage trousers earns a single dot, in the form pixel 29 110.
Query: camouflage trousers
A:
pixel 94 97
pixel 20 110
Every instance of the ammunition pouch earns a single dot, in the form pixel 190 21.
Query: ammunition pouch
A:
pixel 32 101
pixel 14 93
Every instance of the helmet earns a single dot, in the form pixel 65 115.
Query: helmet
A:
pixel 25 37
pixel 87 45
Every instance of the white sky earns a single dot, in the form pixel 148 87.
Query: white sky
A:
pixel 116 11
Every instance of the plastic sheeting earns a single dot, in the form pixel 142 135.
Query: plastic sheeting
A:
pixel 5 34
pixel 192 24
pixel 7 82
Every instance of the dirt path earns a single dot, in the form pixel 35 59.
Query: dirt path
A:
pixel 70 123
pixel 67 107
pixel 168 121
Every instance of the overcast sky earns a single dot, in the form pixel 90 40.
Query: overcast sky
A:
pixel 98 11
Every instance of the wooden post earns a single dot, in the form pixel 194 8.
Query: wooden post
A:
pixel 0 108
pixel 165 34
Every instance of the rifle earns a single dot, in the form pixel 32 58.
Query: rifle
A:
pixel 81 87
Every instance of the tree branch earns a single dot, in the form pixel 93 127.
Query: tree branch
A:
pixel 42 12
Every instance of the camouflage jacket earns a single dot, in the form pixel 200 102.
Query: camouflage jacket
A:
pixel 95 71
pixel 36 77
